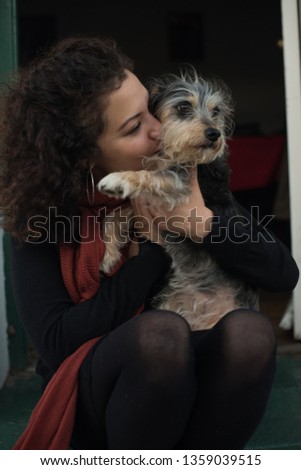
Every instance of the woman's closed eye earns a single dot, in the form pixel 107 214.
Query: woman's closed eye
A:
pixel 134 129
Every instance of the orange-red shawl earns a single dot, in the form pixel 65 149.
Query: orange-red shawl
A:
pixel 51 423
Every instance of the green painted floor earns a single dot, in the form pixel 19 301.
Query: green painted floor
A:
pixel 280 428
pixel 281 425
pixel 17 400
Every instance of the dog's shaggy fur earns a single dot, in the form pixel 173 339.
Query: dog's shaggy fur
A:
pixel 196 120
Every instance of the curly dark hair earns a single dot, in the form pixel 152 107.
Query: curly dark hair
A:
pixel 51 119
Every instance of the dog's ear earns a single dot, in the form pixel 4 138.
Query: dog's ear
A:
pixel 154 89
pixel 155 95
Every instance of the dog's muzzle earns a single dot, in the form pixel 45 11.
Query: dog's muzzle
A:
pixel 212 134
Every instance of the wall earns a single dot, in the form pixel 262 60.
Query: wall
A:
pixel 238 43
pixel 8 53
pixel 4 363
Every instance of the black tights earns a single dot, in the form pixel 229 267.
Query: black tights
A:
pixel 154 384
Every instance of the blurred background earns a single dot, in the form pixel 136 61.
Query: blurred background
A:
pixel 238 41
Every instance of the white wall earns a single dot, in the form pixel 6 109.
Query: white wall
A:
pixel 4 362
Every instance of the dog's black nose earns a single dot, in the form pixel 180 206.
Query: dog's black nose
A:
pixel 212 134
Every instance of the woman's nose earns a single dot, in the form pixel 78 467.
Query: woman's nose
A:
pixel 155 129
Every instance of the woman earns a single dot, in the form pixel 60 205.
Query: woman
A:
pixel 145 381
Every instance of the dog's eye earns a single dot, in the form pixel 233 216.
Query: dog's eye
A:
pixel 184 108
pixel 216 111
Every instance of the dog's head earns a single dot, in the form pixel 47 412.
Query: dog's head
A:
pixel 195 116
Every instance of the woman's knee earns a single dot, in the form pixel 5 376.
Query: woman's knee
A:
pixel 164 320
pixel 249 336
pixel 248 324
pixel 163 341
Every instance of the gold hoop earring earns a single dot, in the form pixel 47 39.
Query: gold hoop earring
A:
pixel 90 180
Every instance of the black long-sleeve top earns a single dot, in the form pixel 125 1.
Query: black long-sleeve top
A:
pixel 57 327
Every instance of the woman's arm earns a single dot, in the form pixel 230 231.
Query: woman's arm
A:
pixel 249 250
pixel 55 325
pixel 238 243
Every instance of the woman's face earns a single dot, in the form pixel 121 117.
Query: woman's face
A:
pixel 130 131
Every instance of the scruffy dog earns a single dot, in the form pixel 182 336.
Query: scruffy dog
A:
pixel 196 120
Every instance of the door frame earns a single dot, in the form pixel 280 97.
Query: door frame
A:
pixel 290 10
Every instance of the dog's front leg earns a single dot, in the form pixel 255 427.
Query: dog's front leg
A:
pixel 167 185
pixel 115 234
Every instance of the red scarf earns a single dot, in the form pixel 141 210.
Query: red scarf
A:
pixel 80 264
pixel 51 422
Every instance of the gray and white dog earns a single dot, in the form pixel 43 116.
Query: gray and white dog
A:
pixel 196 121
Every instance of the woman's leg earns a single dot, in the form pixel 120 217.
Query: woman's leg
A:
pixel 138 386
pixel 235 365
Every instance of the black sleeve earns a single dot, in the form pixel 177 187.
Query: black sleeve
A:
pixel 249 250
pixel 55 325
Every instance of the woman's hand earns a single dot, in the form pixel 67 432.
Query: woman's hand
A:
pixel 191 220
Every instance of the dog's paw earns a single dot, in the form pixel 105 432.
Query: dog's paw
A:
pixel 110 260
pixel 114 185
